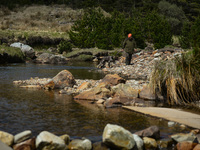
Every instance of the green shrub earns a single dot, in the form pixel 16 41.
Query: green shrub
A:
pixel 64 47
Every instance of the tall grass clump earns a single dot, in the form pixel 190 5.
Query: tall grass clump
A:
pixel 178 79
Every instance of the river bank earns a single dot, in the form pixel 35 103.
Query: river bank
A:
pixel 113 137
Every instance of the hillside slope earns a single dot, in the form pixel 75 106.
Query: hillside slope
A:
pixel 39 18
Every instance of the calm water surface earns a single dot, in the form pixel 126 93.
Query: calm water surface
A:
pixel 38 110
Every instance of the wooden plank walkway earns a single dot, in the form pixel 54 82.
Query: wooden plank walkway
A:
pixel 176 115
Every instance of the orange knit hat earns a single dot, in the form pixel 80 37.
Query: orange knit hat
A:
pixel 129 35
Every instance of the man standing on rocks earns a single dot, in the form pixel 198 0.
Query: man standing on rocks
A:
pixel 129 46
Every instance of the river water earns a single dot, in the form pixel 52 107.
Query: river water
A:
pixel 38 110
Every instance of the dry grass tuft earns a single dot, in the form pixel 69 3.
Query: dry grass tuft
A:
pixel 178 79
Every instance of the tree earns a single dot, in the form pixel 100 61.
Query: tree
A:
pixel 173 14
pixel 158 30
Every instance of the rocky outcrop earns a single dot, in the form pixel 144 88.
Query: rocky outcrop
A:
pixel 47 58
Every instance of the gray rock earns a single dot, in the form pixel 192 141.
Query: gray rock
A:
pixel 139 142
pixel 180 137
pixel 152 132
pixel 26 49
pixel 6 138
pixel 79 144
pixel 47 140
pixel 171 124
pixel 46 58
pixel 3 146
pixel 20 137
pixel 118 137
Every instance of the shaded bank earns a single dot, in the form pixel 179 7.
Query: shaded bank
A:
pixel 11 55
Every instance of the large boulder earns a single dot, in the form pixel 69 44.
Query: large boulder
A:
pixel 125 90
pixel 152 132
pixel 26 49
pixel 117 137
pixel 101 91
pixel 46 58
pixel 61 80
pixel 113 79
pixel 47 140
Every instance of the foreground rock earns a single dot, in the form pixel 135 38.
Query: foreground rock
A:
pixel 114 137
pixel 117 137
pixel 47 140
pixel 80 144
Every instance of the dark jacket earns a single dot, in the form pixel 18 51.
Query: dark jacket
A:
pixel 129 45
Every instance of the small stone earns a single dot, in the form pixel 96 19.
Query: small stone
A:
pixel 100 101
pixel 171 124
pixel 149 143
pixel 139 142
pixel 78 144
pixel 66 138
pixel 20 137
pixel 26 145
pixel 185 145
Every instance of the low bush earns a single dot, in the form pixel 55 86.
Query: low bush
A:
pixel 64 46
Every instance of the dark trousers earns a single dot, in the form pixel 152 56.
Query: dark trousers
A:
pixel 128 58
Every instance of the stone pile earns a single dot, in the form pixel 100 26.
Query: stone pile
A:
pixel 113 137
pixel 111 91
pixel 142 63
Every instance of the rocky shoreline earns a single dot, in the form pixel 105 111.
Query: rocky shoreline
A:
pixel 114 137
